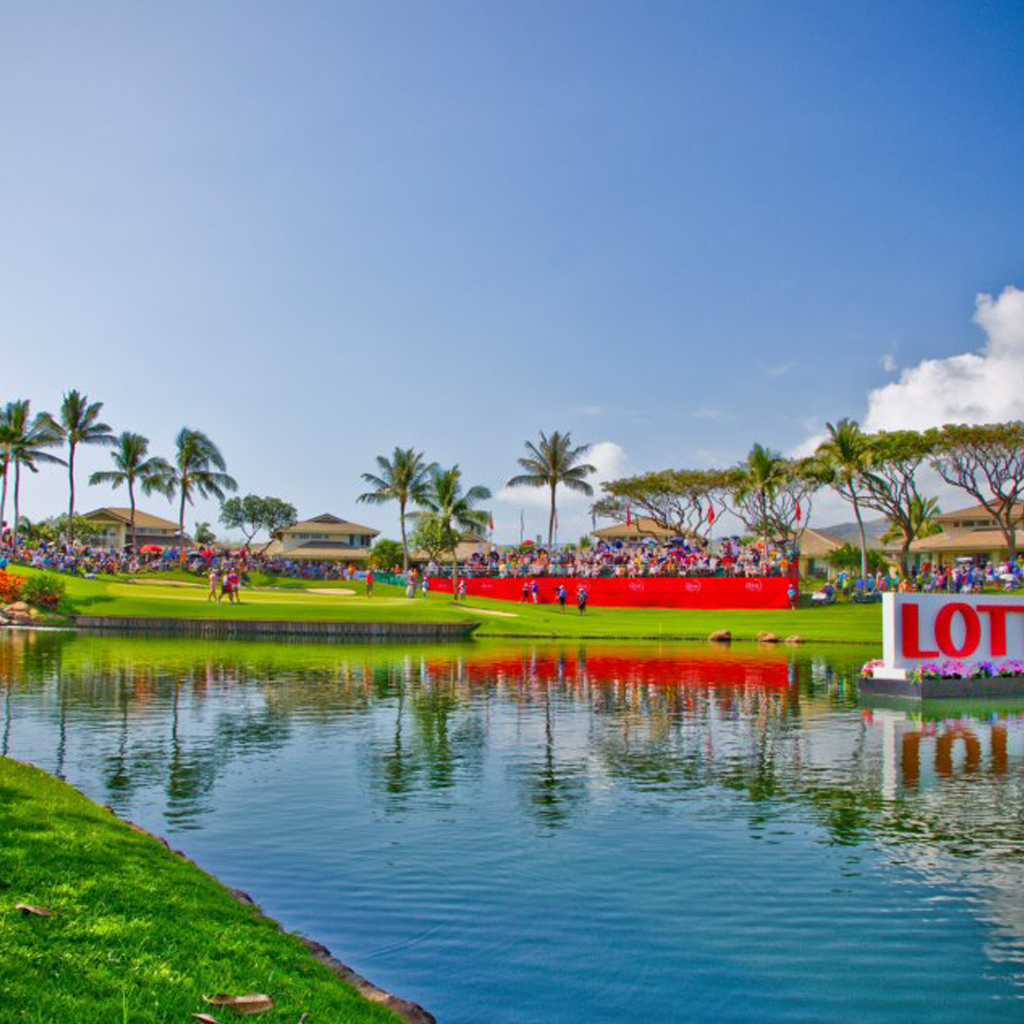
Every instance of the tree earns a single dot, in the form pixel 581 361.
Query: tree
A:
pixel 846 556
pixel 24 441
pixel 924 514
pixel 198 467
pixel 78 423
pixel 386 554
pixel 987 462
pixel 204 535
pixel 402 478
pixel 678 500
pixel 55 527
pixel 429 537
pixel 449 513
pixel 555 461
pixel 773 494
pixel 253 513
pixel 132 467
pixel 891 483
pixel 846 454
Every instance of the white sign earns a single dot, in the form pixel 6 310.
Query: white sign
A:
pixel 920 628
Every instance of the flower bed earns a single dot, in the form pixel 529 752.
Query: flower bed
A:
pixel 953 669
pixel 10 587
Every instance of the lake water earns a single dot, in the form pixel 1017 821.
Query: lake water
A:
pixel 567 833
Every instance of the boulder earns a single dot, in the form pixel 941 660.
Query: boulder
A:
pixel 720 636
pixel 18 606
pixel 768 638
pixel 795 640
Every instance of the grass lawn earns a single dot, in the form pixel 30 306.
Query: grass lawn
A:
pixel 185 597
pixel 138 935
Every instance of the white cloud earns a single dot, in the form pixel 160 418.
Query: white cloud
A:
pixel 707 413
pixel 889 362
pixel 975 387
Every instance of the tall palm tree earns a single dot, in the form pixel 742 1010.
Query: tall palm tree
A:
pixel 24 442
pixel 77 423
pixel 198 466
pixel 555 461
pixel 847 454
pixel 924 520
pixel 445 507
pixel 760 478
pixel 129 456
pixel 403 478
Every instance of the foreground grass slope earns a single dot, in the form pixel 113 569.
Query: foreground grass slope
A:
pixel 177 597
pixel 138 934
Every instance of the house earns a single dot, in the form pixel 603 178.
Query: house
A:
pixel 815 547
pixel 324 538
pixel 115 528
pixel 638 529
pixel 966 533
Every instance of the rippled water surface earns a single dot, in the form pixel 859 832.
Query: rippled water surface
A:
pixel 569 833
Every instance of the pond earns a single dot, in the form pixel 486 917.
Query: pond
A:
pixel 567 832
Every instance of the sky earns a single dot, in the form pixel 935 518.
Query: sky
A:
pixel 319 230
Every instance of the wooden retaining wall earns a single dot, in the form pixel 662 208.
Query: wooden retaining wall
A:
pixel 218 629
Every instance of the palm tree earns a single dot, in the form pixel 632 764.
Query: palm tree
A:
pixel 847 454
pixel 761 476
pixel 446 509
pixel 129 456
pixel 198 466
pixel 403 478
pixel 924 521
pixel 78 423
pixel 24 443
pixel 554 461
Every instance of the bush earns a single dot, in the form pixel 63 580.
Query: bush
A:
pixel 43 591
pixel 10 587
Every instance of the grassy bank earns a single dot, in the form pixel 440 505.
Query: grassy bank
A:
pixel 138 934
pixel 180 598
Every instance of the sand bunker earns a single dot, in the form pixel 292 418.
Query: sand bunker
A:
pixel 329 591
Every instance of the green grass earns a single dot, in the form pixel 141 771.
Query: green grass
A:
pixel 139 934
pixel 115 596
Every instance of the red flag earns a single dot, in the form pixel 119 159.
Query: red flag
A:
pixel 798 510
pixel 629 516
pixel 711 514
pixel 492 524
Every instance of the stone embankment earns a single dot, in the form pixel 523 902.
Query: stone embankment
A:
pixel 18 614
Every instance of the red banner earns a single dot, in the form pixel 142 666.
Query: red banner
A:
pixel 711 592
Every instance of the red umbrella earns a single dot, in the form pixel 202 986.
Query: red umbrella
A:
pixel 150 549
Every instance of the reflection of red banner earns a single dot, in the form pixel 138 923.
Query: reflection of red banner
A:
pixel 627 666
pixel 645 592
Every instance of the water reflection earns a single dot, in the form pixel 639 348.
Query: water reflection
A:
pixel 546 743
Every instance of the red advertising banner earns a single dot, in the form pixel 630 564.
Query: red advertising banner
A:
pixel 711 592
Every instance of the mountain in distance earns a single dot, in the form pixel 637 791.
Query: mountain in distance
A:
pixel 873 530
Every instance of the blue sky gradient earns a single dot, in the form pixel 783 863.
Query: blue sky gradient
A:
pixel 318 230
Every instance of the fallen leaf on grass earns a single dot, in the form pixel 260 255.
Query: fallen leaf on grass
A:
pixel 28 908
pixel 251 1002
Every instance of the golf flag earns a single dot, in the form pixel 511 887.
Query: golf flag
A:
pixel 711 514
pixel 491 520
pixel 798 510
pixel 629 515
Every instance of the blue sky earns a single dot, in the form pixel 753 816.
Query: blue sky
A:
pixel 318 230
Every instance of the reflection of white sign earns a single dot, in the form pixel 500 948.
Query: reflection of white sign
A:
pixel 918 628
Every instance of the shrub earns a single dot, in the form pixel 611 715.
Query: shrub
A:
pixel 43 591
pixel 10 587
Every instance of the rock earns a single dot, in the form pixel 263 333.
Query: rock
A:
pixel 720 636
pixel 18 606
pixel 768 638
pixel 795 640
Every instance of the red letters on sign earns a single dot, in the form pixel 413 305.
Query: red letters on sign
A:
pixel 972 629
pixel 909 620
pixel 997 625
